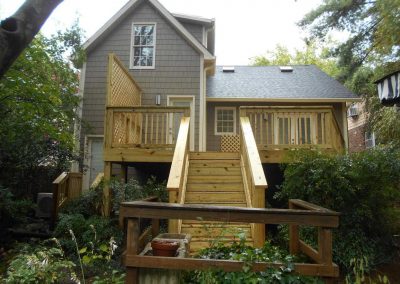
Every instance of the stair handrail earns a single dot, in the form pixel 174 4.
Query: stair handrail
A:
pixel 176 185
pixel 254 179
pixel 67 185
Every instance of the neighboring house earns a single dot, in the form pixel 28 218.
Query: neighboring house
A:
pixel 172 104
pixel 359 136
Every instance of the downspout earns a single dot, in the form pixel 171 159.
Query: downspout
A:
pixel 205 108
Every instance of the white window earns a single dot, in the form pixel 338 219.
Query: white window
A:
pixel 370 140
pixel 143 46
pixel 225 120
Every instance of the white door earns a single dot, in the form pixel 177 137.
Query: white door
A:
pixel 174 124
pixel 93 160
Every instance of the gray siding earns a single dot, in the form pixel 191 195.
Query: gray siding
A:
pixel 214 141
pixel 177 68
pixel 195 30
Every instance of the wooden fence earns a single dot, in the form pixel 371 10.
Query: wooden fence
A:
pixel 309 215
pixel 66 186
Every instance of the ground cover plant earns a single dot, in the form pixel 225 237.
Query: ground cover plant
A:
pixel 363 187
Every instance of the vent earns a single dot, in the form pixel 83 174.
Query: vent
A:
pixel 352 111
pixel 228 69
pixel 44 205
pixel 286 68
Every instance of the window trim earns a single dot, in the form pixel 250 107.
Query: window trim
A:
pixel 216 120
pixel 131 66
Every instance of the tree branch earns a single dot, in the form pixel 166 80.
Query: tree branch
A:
pixel 17 31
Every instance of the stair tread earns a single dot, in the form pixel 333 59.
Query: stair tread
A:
pixel 213 155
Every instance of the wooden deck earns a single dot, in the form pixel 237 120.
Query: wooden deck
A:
pixel 300 213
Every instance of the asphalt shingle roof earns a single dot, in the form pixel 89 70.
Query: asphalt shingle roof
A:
pixel 259 82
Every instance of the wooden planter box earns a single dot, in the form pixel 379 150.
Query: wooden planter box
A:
pixel 155 275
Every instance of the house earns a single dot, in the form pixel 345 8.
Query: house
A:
pixel 360 138
pixel 153 95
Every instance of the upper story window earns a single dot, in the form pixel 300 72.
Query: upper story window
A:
pixel 225 120
pixel 143 46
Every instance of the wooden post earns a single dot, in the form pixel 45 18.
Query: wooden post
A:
pixel 132 248
pixel 294 244
pixel 259 229
pixel 173 223
pixel 325 245
pixel 106 190
pixel 124 173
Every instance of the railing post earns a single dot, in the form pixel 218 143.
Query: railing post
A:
pixel 325 245
pixel 106 189
pixel 132 248
pixel 294 243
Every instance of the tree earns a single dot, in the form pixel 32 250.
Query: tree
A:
pixel 373 28
pixel 311 54
pixel 17 31
pixel 37 105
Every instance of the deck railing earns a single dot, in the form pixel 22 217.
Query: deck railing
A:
pixel 66 186
pixel 177 179
pixel 289 127
pixel 254 180
pixel 143 126
pixel 310 215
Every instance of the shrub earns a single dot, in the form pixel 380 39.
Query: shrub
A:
pixel 88 204
pixel 249 255
pixel 132 190
pixel 363 187
pixel 40 264
pixel 86 231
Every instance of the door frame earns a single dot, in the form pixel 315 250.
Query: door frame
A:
pixel 86 158
pixel 192 100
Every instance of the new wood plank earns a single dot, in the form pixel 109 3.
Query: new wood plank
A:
pixel 214 163
pixel 213 155
pixel 214 179
pixel 234 204
pixel 214 197
pixel 226 187
pixel 223 171
pixel 207 231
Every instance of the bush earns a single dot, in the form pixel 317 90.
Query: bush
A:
pixel 132 190
pixel 363 187
pixel 40 264
pixel 12 211
pixel 88 204
pixel 94 229
pixel 249 255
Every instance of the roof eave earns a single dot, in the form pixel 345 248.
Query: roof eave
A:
pixel 120 15
pixel 302 100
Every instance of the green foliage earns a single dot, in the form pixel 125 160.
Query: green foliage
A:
pixel 40 264
pixel 373 28
pixel 363 187
pixel 12 211
pixel 88 231
pixel 37 111
pixel 87 204
pixel 132 190
pixel 359 271
pixel 115 277
pixel 311 54
pixel 249 255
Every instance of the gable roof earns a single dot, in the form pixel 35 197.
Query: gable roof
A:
pixel 306 82
pixel 128 8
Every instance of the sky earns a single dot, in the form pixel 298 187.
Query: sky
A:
pixel 244 29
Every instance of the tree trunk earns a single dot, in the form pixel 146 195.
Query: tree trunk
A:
pixel 17 31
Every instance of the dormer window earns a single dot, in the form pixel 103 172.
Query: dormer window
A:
pixel 143 46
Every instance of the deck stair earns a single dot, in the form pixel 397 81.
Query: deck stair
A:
pixel 214 178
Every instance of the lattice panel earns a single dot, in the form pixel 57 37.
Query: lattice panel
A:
pixel 123 90
pixel 230 143
pixel 127 128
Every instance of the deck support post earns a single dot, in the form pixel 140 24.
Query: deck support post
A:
pixel 259 229
pixel 106 190
pixel 124 173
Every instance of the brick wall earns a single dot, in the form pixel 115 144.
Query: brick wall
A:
pixel 357 139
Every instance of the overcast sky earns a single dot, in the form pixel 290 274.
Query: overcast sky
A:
pixel 244 29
